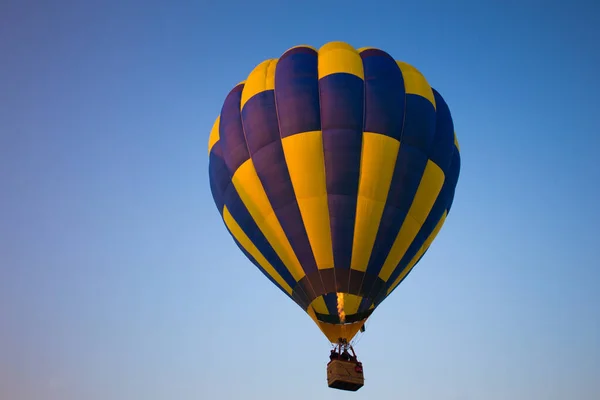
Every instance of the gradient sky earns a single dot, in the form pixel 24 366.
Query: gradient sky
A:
pixel 119 281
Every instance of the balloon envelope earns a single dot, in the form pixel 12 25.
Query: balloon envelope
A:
pixel 333 170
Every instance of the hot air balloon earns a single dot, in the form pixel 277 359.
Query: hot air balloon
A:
pixel 334 170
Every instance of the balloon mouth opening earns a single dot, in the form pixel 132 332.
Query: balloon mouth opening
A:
pixel 346 320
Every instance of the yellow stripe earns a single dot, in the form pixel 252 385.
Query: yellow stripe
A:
pixel 250 189
pixel 260 79
pixel 214 134
pixel 456 142
pixel 247 244
pixel 415 82
pixel 339 57
pixel 306 164
pixel 429 188
pixel 419 253
pixel 378 160
pixel 319 305
pixel 351 303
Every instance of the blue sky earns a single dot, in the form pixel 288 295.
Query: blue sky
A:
pixel 119 281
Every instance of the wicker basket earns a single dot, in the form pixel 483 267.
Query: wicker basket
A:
pixel 345 375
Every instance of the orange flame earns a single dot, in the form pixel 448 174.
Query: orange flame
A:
pixel 340 307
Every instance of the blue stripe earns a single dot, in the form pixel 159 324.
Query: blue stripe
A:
pixel 235 151
pixel 406 276
pixel 253 260
pixel 331 303
pixel 408 171
pixel 445 155
pixel 443 202
pixel 417 135
pixel 342 125
pixel 224 194
pixel 439 207
pixel 231 133
pixel 454 172
pixel 384 94
pixel 384 114
pixel 440 152
pixel 419 123
pixel 433 218
pixel 240 213
pixel 259 118
pixel 297 92
pixel 442 146
pixel 365 303
pixel 218 175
